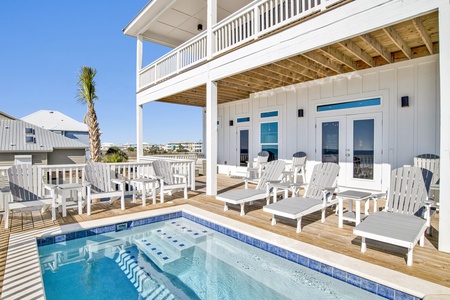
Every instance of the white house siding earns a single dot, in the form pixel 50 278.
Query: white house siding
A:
pixel 406 132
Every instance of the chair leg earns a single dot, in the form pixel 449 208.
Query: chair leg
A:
pixel 185 192
pixel 225 207
pixel 409 257
pixel 363 245
pixel 299 225
pixel 242 209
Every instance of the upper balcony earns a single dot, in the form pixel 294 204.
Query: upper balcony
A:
pixel 323 38
pixel 177 23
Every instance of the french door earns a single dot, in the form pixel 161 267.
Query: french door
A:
pixel 355 143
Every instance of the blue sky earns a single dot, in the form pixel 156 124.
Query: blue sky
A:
pixel 45 43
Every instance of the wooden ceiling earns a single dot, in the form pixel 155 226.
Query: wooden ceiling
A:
pixel 411 39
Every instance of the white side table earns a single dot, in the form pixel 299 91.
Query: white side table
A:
pixel 350 215
pixel 65 191
pixel 144 185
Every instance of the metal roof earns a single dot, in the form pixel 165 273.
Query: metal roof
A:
pixel 13 138
pixel 55 120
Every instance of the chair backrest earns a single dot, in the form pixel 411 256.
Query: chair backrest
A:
pixel 298 159
pixel 262 157
pixel 99 175
pixel 24 182
pixel 274 171
pixel 324 175
pixel 407 191
pixel 430 162
pixel 163 168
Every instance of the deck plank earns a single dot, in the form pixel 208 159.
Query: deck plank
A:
pixel 429 264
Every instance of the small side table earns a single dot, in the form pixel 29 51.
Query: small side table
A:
pixel 65 191
pixel 350 215
pixel 143 185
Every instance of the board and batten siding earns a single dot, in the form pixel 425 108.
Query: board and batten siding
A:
pixel 406 131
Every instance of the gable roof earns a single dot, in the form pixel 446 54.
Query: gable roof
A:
pixel 55 120
pixel 13 138
pixel 6 116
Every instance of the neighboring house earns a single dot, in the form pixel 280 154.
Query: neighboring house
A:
pixel 360 83
pixel 22 142
pixel 59 123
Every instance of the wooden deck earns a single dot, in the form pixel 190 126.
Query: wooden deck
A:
pixel 429 264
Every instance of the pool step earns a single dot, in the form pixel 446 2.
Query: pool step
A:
pixel 164 248
pixel 146 286
pixel 190 231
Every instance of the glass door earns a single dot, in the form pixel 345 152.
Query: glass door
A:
pixel 243 143
pixel 353 142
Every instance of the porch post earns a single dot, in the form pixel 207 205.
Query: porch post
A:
pixel 444 185
pixel 211 138
pixel 139 132
pixel 204 131
pixel 211 20
pixel 139 51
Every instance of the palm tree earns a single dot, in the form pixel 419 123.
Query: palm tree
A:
pixel 86 96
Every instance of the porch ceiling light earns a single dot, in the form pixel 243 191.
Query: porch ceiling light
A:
pixel 405 101
pixel 199 27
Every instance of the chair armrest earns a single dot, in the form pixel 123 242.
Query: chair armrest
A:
pixel 87 184
pixel 50 187
pixel 118 181
pixel 183 176
pixel 378 195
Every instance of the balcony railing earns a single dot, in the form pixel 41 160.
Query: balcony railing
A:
pixel 252 21
pixel 74 173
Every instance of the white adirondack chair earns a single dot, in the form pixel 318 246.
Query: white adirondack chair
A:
pixel 255 168
pixel 406 216
pixel 100 183
pixel 318 196
pixel 169 182
pixel 272 173
pixel 430 162
pixel 26 189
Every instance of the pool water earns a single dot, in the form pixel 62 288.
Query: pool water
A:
pixel 179 259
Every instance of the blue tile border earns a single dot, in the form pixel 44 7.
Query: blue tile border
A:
pixel 360 282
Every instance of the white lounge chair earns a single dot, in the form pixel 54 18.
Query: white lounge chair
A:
pixel 431 162
pixel 405 218
pixel 169 182
pixel 100 183
pixel 318 196
pixel 273 172
pixel 25 187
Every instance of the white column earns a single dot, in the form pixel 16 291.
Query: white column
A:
pixel 139 132
pixel 204 131
pixel 211 20
pixel 211 138
pixel 444 185
pixel 139 52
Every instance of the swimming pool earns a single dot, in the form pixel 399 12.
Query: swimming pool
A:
pixel 179 259
pixel 23 279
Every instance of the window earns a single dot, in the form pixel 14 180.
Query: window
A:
pixel 30 137
pixel 269 139
pixel 242 120
pixel 269 114
pixel 352 104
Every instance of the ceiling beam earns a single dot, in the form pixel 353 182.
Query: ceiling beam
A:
pixel 353 48
pixel 324 61
pixel 377 47
pixel 308 64
pixel 339 56
pixel 398 41
pixel 423 34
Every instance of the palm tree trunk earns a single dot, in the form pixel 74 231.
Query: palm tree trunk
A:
pixel 94 135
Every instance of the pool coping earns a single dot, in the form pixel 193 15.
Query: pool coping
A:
pixel 23 279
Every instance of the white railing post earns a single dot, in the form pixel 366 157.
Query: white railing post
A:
pixel 211 21
pixel 256 21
